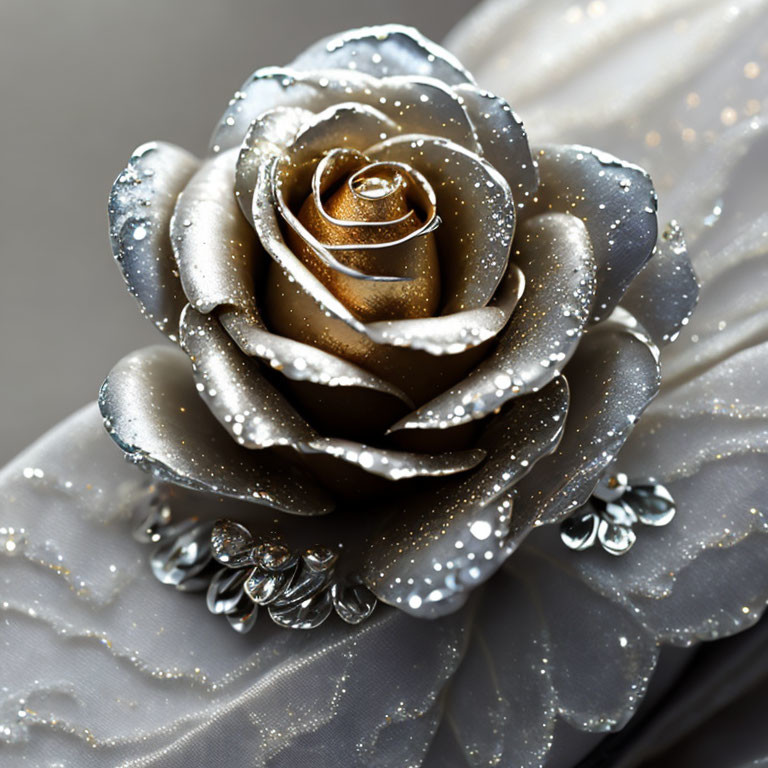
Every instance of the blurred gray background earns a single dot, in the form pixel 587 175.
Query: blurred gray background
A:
pixel 82 83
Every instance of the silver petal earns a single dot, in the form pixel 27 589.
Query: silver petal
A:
pixel 263 587
pixel 212 241
pixel 308 614
pixel 266 89
pixel 617 203
pixel 268 135
pixel 225 591
pixel 353 603
pixel 444 335
pixel 431 551
pixel 153 412
pixel 347 125
pixel 664 294
pixel 555 256
pixel 503 139
pixel 396 465
pixel 477 211
pixel 613 376
pixel 181 560
pixel 526 430
pixel 615 539
pixel 235 389
pixel 296 360
pixel 140 208
pixel 417 104
pixel 580 531
pixel 258 416
pixel 232 544
pixel 653 504
pixel 386 49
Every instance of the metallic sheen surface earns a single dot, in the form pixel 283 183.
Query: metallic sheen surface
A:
pixel 554 253
pixel 212 242
pixel 614 375
pixel 617 202
pixel 153 411
pixel 476 207
pixel 433 549
pixel 665 292
pixel 140 209
pixel 388 49
pixel 258 416
pixel 503 139
pixel 386 288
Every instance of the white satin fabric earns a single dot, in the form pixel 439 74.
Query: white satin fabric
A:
pixel 102 665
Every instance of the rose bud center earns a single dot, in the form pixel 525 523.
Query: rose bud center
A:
pixel 377 222
pixel 365 229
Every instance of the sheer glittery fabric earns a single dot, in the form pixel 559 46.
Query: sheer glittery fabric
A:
pixel 102 665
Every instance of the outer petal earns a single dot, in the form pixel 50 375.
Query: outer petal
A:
pixel 387 49
pixel 152 411
pixel 233 387
pixel 613 377
pixel 503 139
pixel 435 548
pixel 258 416
pixel 417 104
pixel 664 294
pixel 475 204
pixel 212 241
pixel 556 257
pixel 140 208
pixel 617 202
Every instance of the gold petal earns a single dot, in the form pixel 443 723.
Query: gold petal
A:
pixel 388 233
pixel 384 348
pixel 299 305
